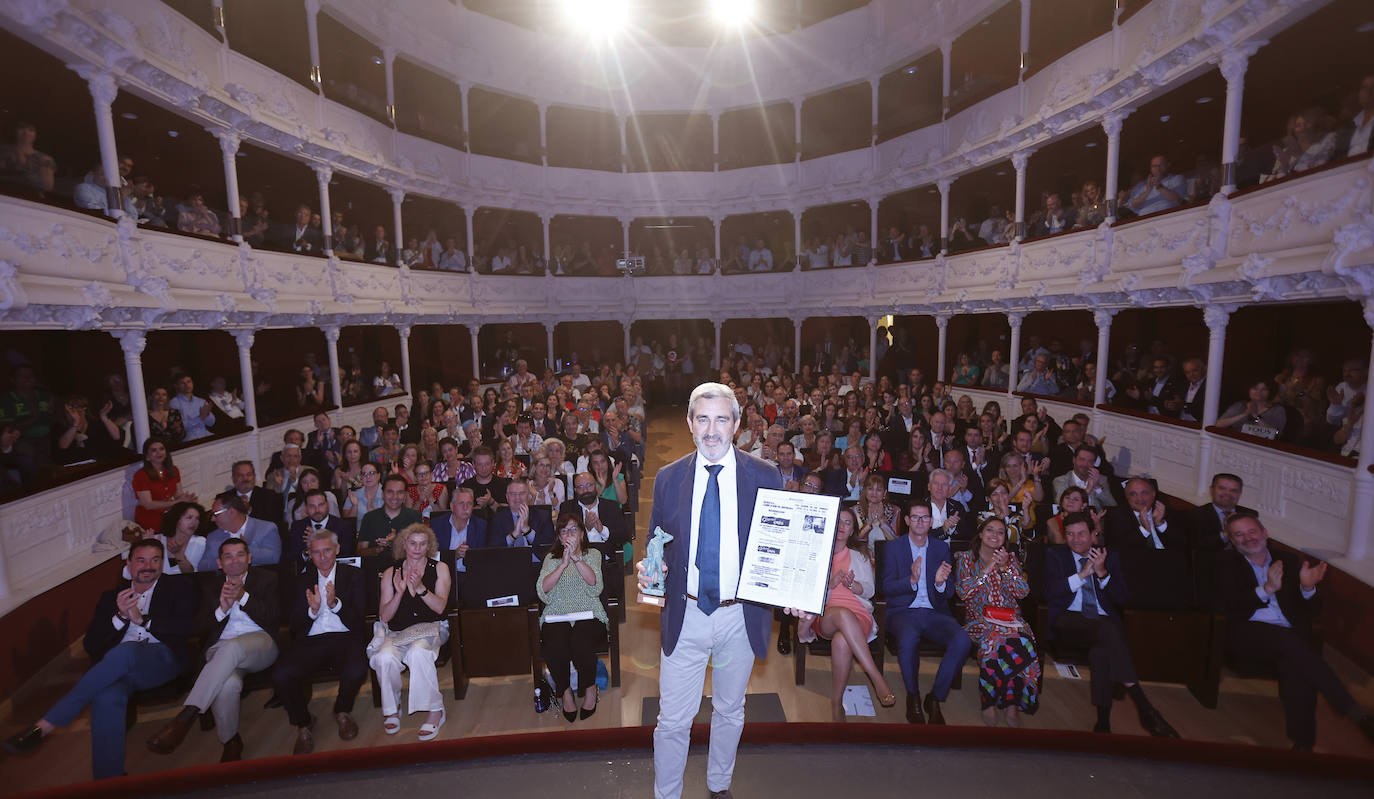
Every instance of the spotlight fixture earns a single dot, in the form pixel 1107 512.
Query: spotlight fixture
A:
pixel 1090 144
pixel 911 70
pixel 1203 100
pixel 129 115
pixel 597 17
pixel 377 60
pixel 1164 118
pixel 734 13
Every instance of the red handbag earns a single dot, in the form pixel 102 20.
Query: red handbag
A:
pixel 1002 617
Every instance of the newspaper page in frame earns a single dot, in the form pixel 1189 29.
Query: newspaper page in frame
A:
pixel 787 563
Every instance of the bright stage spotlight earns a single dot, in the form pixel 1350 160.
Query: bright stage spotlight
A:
pixel 734 13
pixel 597 17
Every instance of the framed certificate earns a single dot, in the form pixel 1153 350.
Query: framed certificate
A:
pixel 787 562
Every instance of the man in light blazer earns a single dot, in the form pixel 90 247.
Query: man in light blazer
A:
pixel 705 500
pixel 231 518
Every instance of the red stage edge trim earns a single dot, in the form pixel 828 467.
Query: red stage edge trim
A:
pixel 1217 755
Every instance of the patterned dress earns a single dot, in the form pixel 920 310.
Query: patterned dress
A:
pixel 1009 664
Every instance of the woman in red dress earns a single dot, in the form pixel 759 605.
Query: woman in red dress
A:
pixel 157 486
pixel 848 619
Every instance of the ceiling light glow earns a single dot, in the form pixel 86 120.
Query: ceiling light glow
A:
pixel 733 12
pixel 1203 100
pixel 597 17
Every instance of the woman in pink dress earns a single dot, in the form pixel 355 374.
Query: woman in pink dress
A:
pixel 848 619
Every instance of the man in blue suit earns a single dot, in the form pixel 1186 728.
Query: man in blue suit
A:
pixel 916 582
pixel 1085 590
pixel 705 501
pixel 232 521
pixel 518 525
pixel 459 530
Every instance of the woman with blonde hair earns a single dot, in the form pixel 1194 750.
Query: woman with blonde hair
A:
pixel 410 633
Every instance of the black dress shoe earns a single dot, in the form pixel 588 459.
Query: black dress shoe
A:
pixel 725 794
pixel 272 701
pixel 932 708
pixel 784 644
pixel 913 709
pixel 1102 726
pixel 233 750
pixel 1155 724
pixel 25 742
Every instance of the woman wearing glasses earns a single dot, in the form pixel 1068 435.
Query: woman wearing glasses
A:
pixel 368 497
pixel 573 624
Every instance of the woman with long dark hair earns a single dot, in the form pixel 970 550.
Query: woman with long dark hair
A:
pixel 157 486
pixel 183 537
pixel 570 583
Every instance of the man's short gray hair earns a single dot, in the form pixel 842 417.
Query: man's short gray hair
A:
pixel 713 391
pixel 946 472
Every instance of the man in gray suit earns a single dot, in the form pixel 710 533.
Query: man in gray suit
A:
pixel 232 521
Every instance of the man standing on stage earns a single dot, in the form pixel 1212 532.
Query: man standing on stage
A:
pixel 705 500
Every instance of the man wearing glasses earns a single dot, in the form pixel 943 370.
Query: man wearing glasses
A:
pixel 916 581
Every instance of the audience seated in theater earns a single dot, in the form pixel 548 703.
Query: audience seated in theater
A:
pixel 1087 476
pixel 991 583
pixel 1051 219
pixel 950 519
pixel 1011 515
pixel 1307 145
pixel 488 489
pixel 263 503
pixel 848 618
pixel 156 486
pixel 570 583
pixel 414 596
pixel 237 627
pixel 1026 491
pixel 1073 500
pixel 1270 598
pixel 1207 522
pixel 1259 416
pixel 328 632
pixel 1040 379
pixel 137 639
pixel 916 583
pixel 320 514
pixel 231 519
pixel 1163 393
pixel 195 217
pixel 1143 523
pixel 878 519
pixel 1159 191
pixel 182 536
pixel 299 236
pixel 1085 591
pixel 21 164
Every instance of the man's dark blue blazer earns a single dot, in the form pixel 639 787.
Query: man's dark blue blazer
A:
pixel 1060 562
pixel 896 577
pixel 673 512
pixel 503 522
pixel 477 531
pixel 294 552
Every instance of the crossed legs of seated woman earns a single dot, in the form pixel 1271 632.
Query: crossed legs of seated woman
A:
pixel 849 642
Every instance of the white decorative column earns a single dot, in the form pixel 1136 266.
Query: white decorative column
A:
pixel 389 64
pixel 1362 517
pixel 543 134
pixel 873 81
pixel 797 132
pixel 244 340
pixel 229 148
pixel 103 92
pixel 133 342
pixel 1103 318
pixel 946 46
pixel 463 87
pixel 546 218
pixel 796 343
pixel 624 145
pixel 331 347
pixel 715 141
pixel 1216 318
pixel 323 174
pixel 1111 125
pixel 943 185
pixel 941 359
pixel 548 330
pixel 873 322
pixel 1014 318
pixel 716 222
pixel 1018 162
pixel 468 214
pixel 625 323
pixel 1233 63
pixel 873 203
pixel 404 332
pixel 312 31
pixel 797 236
pixel 1025 37
pixel 398 196
pixel 474 331
pixel 625 234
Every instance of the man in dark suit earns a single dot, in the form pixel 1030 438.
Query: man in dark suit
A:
pixel 1206 523
pixel 1085 591
pixel 322 448
pixel 1269 599
pixel 1071 437
pixel 1143 523
pixel 1163 390
pixel 317 517
pixel 301 236
pixel 950 518
pixel 518 525
pixel 238 625
pixel 328 632
pixel 1193 388
pixel 705 501
pixel 263 503
pixel 978 461
pixel 1030 407
pixel 916 581
pixel 604 519
pixel 136 640
pixel 1358 135
pixel 458 530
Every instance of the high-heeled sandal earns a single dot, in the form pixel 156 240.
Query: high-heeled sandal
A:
pixel 887 701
